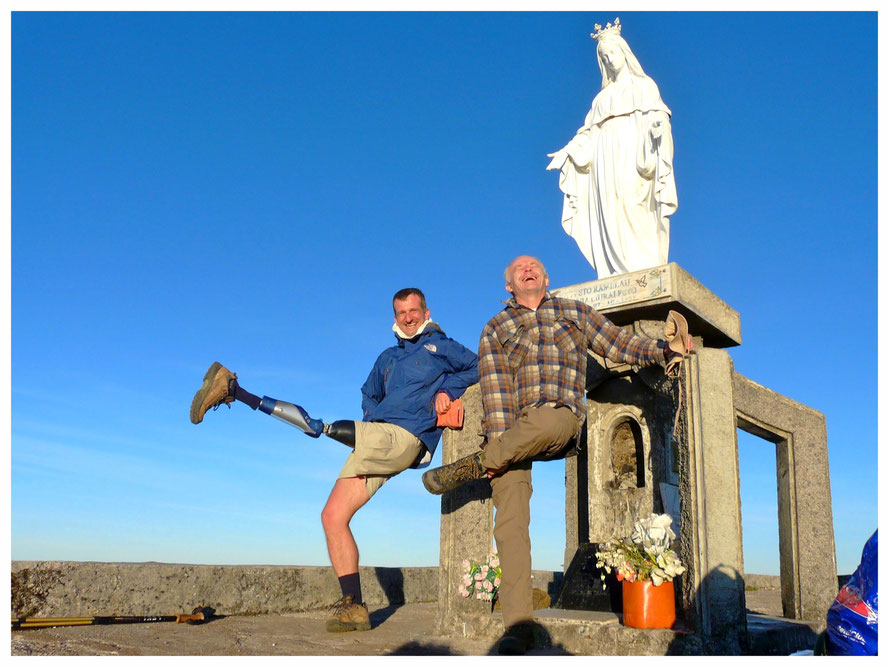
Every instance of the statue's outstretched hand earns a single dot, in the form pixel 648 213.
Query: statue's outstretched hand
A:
pixel 558 159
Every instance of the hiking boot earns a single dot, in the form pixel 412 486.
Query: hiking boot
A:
pixel 213 393
pixel 449 477
pixel 347 616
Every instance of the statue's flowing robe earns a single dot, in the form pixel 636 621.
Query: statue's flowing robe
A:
pixel 619 194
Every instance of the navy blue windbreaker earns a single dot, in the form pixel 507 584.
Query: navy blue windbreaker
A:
pixel 406 378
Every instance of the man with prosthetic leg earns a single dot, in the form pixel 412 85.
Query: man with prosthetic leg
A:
pixel 410 384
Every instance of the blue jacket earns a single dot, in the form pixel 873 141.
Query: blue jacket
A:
pixel 406 378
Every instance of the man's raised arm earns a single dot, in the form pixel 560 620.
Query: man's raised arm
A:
pixel 619 345
pixel 464 365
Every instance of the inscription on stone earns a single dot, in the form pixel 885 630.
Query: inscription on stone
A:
pixel 620 290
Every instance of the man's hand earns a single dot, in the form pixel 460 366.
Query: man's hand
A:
pixel 442 403
pixel 669 353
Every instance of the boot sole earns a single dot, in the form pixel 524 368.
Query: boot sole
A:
pixel 202 392
pixel 432 485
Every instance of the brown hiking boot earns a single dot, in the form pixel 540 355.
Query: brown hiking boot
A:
pixel 347 616
pixel 213 393
pixel 449 477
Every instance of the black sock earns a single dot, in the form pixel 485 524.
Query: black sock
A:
pixel 243 396
pixel 351 585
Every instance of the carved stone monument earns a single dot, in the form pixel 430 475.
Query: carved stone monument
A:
pixel 656 445
pixel 651 443
pixel 617 171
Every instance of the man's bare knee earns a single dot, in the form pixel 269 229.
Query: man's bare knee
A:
pixel 336 514
pixel 330 516
pixel 347 497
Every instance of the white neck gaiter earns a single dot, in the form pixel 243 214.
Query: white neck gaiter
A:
pixel 401 334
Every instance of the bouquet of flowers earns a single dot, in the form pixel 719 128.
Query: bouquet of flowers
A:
pixel 481 579
pixel 645 556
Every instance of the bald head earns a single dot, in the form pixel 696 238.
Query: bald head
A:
pixel 526 280
pixel 507 274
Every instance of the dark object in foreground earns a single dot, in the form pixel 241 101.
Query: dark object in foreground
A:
pixel 199 615
pixel 582 586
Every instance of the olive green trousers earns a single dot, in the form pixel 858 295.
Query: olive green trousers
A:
pixel 538 432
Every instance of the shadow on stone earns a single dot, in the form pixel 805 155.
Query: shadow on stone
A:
pixel 391 580
pixel 729 630
pixel 209 615
pixel 380 616
pixel 452 501
pixel 541 643
pixel 582 585
pixel 554 587
pixel 418 648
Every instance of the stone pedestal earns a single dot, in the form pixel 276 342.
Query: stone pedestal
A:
pixel 658 445
pixel 650 294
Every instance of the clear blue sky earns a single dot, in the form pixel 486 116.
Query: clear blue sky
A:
pixel 253 188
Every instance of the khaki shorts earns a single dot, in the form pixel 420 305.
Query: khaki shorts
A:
pixel 381 451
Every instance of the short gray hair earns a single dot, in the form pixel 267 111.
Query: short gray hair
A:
pixel 506 271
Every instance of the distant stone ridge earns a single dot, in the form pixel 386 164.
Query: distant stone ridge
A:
pixel 72 588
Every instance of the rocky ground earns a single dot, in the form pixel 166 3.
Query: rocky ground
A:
pixel 402 630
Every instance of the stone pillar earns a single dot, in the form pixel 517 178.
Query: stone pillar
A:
pixel 467 527
pixel 710 504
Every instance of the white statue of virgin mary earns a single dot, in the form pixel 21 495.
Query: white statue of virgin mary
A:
pixel 617 172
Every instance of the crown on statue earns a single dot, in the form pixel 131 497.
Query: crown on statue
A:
pixel 609 30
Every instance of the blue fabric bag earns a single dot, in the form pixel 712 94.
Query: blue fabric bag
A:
pixel 852 618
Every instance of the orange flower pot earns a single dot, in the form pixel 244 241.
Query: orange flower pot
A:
pixel 648 606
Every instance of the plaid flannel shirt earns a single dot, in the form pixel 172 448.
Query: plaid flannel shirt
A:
pixel 535 357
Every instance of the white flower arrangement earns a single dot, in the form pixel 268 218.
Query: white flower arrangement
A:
pixel 481 579
pixel 645 556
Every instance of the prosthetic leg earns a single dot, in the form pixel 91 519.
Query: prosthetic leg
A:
pixel 342 430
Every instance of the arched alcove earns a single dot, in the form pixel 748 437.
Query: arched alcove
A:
pixel 627 454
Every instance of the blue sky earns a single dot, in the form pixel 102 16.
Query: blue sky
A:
pixel 253 188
